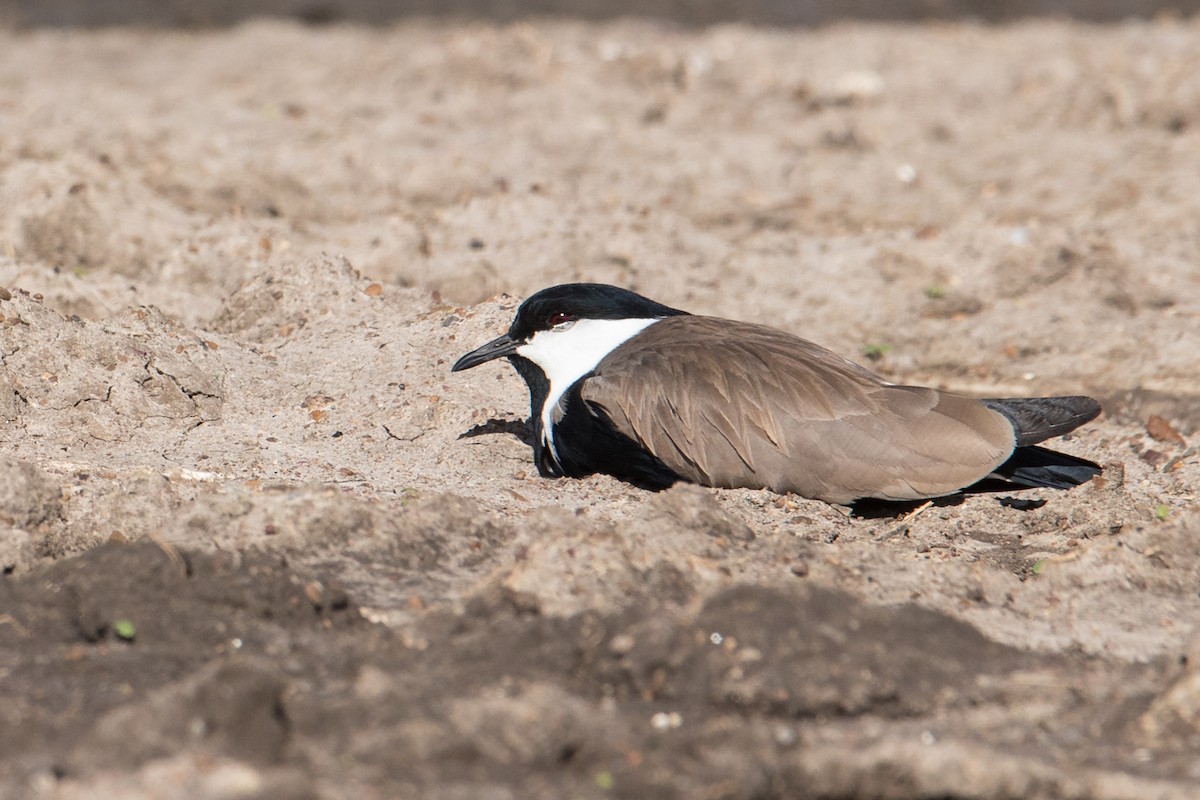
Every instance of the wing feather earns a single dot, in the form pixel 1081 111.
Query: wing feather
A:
pixel 734 404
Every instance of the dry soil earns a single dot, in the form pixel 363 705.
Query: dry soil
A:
pixel 257 541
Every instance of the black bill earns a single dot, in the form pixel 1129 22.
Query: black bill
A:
pixel 497 348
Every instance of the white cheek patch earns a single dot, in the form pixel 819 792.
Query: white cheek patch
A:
pixel 567 355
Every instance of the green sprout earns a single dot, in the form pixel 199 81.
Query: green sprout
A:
pixel 1038 566
pixel 1162 511
pixel 124 629
pixel 935 291
pixel 876 350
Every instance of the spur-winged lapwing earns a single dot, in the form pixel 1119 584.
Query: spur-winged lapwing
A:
pixel 623 385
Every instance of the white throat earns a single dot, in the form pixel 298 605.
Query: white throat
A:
pixel 567 355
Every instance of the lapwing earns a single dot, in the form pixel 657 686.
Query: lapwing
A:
pixel 620 384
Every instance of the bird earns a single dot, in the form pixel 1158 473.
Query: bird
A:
pixel 623 385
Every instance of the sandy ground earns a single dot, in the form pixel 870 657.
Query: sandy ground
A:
pixel 258 542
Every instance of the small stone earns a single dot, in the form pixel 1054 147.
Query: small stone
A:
pixel 315 592
pixel 858 86
pixel 621 644
pixel 1162 431
pixel 663 721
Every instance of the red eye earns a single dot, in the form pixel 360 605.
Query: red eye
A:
pixel 560 317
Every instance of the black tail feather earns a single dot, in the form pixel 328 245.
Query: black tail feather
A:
pixel 1031 467
pixel 1036 419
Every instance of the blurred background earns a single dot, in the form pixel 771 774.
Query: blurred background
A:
pixel 91 13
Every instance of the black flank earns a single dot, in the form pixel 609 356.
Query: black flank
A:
pixel 539 388
pixel 587 442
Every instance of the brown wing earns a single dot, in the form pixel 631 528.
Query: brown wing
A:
pixel 734 404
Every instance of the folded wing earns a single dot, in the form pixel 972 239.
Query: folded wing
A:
pixel 733 404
